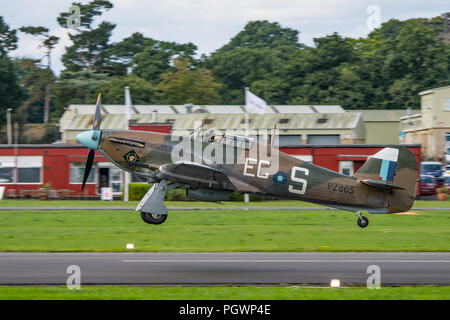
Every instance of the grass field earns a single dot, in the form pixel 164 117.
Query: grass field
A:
pixel 224 230
pixel 194 204
pixel 223 293
pixel 95 203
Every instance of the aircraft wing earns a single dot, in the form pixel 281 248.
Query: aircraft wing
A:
pixel 195 174
pixel 380 185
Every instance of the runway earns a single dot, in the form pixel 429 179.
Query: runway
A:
pixel 224 268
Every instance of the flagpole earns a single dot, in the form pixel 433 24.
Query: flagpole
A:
pixel 247 89
pixel 126 190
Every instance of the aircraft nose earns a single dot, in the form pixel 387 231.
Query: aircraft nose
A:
pixel 90 139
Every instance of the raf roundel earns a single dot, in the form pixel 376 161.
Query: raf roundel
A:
pixel 280 178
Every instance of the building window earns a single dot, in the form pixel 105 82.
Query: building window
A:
pixel 288 141
pixel 324 139
pixel 26 170
pixel 116 179
pixel 346 167
pixel 447 104
pixel 77 173
pixel 6 175
pixel 7 165
pixel 28 175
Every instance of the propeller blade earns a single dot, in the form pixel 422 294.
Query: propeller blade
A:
pixel 87 169
pixel 98 113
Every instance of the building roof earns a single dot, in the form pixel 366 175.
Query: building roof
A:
pixel 213 109
pixel 316 121
pixel 433 90
pixel 268 121
pixel 384 115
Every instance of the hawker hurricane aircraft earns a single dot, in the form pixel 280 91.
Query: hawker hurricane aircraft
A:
pixel 211 167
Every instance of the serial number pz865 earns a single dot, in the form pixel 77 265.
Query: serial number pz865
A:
pixel 337 187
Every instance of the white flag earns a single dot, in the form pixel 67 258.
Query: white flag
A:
pixel 254 103
pixel 128 103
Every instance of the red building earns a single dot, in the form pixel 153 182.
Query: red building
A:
pixel 61 167
pixel 343 158
pixel 152 127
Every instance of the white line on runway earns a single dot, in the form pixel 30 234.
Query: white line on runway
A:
pixel 283 261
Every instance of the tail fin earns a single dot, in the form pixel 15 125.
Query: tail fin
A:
pixel 397 169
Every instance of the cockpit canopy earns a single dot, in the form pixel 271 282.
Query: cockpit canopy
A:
pixel 237 141
pixel 229 140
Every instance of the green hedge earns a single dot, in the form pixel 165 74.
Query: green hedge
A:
pixel 176 195
pixel 239 197
pixel 137 190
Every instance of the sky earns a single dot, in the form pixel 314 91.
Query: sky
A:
pixel 210 24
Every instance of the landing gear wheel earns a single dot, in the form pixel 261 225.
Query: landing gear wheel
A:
pixel 153 218
pixel 363 222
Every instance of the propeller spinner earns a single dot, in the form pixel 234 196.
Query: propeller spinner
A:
pixel 91 139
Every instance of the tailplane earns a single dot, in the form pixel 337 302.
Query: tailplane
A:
pixel 395 171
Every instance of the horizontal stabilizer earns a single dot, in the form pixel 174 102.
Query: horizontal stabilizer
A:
pixel 380 185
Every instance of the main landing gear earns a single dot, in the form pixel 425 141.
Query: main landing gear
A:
pixel 153 218
pixel 152 208
pixel 362 221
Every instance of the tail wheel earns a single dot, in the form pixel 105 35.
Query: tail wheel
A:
pixel 153 218
pixel 363 222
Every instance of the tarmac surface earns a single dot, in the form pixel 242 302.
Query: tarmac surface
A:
pixel 244 268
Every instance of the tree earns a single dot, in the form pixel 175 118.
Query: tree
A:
pixel 142 91
pixel 8 38
pixel 401 61
pixel 403 93
pixel 156 58
pixel 90 49
pixel 189 85
pixel 262 34
pixel 48 42
pixel 239 68
pixel 124 52
pixel 37 82
pixel 77 88
pixel 274 90
pixel 10 91
pixel 324 74
pixel 332 50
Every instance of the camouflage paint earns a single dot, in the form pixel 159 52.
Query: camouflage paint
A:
pixel 323 186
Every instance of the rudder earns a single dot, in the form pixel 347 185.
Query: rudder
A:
pixel 396 167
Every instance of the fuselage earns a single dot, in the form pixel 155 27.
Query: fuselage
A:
pixel 252 168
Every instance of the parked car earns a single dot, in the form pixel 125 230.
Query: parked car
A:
pixel 447 170
pixel 447 154
pixel 427 185
pixel 447 182
pixel 433 168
